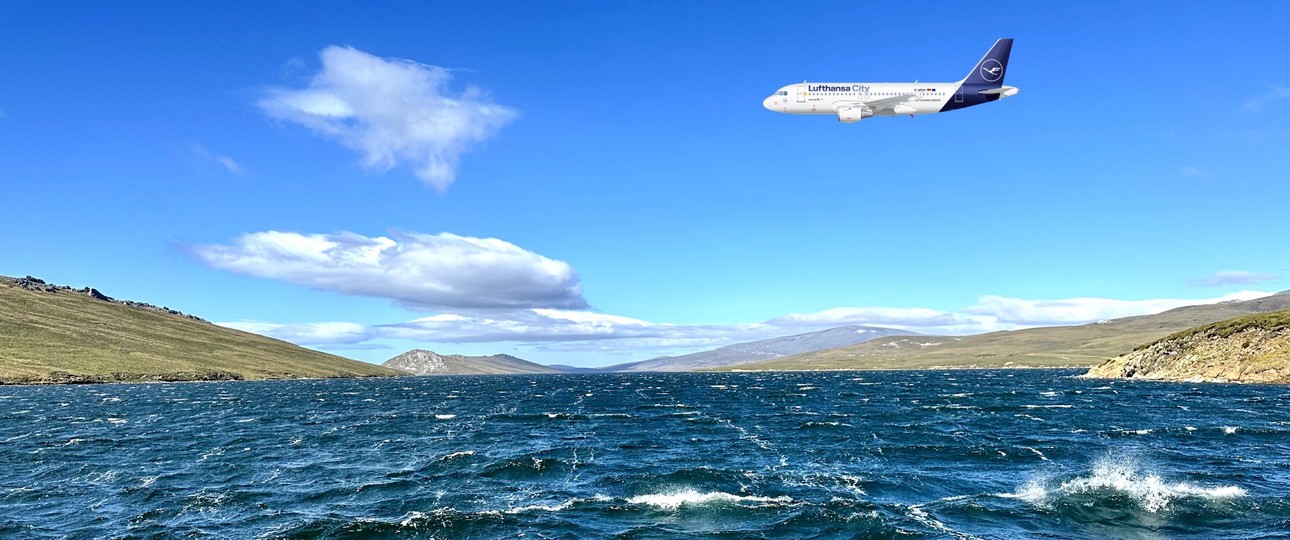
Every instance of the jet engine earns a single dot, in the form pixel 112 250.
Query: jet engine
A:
pixel 848 115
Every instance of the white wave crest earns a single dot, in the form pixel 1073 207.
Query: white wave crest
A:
pixel 690 497
pixel 920 515
pixel 1150 491
pixel 456 455
pixel 543 507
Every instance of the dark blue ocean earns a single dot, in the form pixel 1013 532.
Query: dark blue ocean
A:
pixel 931 454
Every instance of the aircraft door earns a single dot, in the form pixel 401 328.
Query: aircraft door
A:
pixel 801 93
pixel 958 95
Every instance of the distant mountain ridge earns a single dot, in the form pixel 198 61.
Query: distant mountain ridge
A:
pixel 426 362
pixel 742 353
pixel 1053 346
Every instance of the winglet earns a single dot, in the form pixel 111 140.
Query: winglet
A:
pixel 993 66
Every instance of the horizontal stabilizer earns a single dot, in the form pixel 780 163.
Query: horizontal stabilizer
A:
pixel 1005 91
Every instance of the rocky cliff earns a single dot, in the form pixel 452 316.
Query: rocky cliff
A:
pixel 1246 349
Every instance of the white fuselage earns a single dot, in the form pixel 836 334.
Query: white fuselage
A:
pixel 882 99
pixel 852 102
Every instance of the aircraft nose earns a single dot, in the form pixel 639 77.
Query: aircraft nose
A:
pixel 766 103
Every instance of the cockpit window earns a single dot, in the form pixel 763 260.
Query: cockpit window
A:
pixel 782 93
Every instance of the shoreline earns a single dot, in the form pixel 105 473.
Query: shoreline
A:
pixel 156 379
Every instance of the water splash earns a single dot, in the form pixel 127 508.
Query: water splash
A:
pixel 688 497
pixel 1111 476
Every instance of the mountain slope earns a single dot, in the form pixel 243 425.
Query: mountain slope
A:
pixel 1254 348
pixel 1084 345
pixel 423 362
pixel 742 353
pixel 51 334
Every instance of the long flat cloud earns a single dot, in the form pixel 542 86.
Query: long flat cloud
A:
pixel 580 330
pixel 420 271
pixel 392 111
pixel 1022 312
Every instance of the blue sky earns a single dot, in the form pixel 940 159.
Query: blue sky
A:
pixel 592 183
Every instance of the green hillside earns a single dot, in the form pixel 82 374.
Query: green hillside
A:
pixel 1274 321
pixel 1059 346
pixel 54 334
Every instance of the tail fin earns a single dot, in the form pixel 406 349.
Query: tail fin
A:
pixel 993 66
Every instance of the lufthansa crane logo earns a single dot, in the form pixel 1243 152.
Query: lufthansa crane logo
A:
pixel 991 70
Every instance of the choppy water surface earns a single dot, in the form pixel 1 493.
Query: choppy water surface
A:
pixel 962 454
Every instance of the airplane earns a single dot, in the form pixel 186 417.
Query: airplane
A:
pixel 852 102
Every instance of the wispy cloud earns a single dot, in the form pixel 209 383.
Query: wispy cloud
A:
pixel 1260 102
pixel 1226 278
pixel 1190 170
pixel 557 325
pixel 325 333
pixel 921 320
pixel 392 111
pixel 204 154
pixel 419 271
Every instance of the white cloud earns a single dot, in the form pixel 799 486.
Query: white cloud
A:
pixel 1191 171
pixel 230 165
pixel 569 326
pixel 530 325
pixel 419 271
pixel 915 319
pixel 1233 277
pixel 1020 312
pixel 1258 103
pixel 392 111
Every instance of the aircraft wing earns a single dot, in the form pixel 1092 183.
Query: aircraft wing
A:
pixel 877 106
pixel 887 102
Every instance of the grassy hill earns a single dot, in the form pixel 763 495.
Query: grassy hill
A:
pixel 54 334
pixel 1059 346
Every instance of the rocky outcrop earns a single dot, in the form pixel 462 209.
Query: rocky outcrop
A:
pixel 31 283
pixel 419 362
pixel 1249 349
pixel 423 362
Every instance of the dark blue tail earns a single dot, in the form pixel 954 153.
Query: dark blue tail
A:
pixel 991 69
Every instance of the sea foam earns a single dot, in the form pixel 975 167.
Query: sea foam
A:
pixel 689 497
pixel 1149 490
